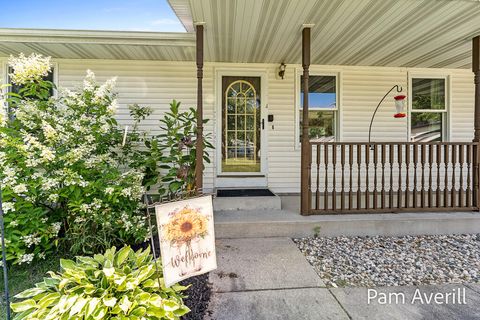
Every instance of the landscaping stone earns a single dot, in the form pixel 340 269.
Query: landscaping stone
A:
pixel 394 261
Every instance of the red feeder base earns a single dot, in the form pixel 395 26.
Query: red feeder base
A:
pixel 400 115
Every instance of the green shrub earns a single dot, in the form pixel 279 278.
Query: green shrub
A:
pixel 178 141
pixel 64 168
pixel 116 285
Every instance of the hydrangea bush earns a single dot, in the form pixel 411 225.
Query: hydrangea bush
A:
pixel 63 168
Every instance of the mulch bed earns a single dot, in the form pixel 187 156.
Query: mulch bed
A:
pixel 198 296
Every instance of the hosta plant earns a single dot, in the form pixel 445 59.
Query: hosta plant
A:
pixel 115 285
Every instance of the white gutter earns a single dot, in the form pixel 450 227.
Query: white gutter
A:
pixel 97 37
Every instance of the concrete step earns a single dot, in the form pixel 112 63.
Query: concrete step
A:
pixel 247 203
pixel 285 223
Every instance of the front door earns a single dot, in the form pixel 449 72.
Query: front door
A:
pixel 242 128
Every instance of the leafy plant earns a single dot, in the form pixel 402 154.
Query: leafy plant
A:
pixel 316 231
pixel 179 143
pixel 64 168
pixel 115 285
pixel 143 151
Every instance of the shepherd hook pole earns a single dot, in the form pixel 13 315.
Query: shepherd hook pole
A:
pixel 399 89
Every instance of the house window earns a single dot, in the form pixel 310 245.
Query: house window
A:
pixel 428 113
pixel 322 107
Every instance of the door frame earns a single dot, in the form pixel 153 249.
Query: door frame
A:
pixel 239 72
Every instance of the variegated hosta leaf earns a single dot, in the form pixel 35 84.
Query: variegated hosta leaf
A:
pixel 120 284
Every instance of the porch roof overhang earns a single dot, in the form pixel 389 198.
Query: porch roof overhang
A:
pixel 96 44
pixel 397 33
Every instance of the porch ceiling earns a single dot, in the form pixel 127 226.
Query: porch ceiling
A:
pixel 410 33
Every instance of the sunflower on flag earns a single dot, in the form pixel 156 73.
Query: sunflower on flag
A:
pixel 184 226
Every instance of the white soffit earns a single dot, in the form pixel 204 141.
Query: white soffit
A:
pixel 83 44
pixel 183 12
pixel 399 33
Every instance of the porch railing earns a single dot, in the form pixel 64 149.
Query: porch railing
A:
pixel 390 177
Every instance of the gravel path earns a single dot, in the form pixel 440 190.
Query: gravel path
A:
pixel 394 261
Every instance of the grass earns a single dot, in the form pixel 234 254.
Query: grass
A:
pixel 25 276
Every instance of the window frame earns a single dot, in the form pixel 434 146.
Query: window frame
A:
pixel 445 112
pixel 337 110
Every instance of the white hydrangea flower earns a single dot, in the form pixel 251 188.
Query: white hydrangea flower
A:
pixel 109 190
pixel 47 155
pixel 104 90
pixel 82 183
pixel 126 222
pixel 32 161
pixel 10 176
pixel 112 108
pixel 49 184
pixel 56 227
pixel 49 132
pixel 79 219
pixel 3 113
pixel 105 128
pixel 29 69
pixel 14 223
pixel 89 138
pixel 89 81
pixel 31 240
pixel 8 207
pixel 53 197
pixel 3 158
pixel 127 192
pixel 20 188
pixel 85 208
pixel 26 258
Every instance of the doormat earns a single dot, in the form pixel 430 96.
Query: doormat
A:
pixel 245 193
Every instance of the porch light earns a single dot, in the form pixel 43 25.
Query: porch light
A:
pixel 400 106
pixel 281 70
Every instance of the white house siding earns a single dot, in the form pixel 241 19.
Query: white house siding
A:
pixel 156 83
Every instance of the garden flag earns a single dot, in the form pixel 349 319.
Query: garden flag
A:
pixel 187 238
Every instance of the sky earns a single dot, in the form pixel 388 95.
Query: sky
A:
pixel 317 100
pixel 133 15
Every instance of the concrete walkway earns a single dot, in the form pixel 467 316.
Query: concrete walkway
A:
pixel 269 278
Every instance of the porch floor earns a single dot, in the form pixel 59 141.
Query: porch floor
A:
pixel 289 223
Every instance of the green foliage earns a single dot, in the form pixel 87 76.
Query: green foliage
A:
pixel 69 174
pixel 144 151
pixel 316 231
pixel 64 171
pixel 178 143
pixel 321 124
pixel 115 285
